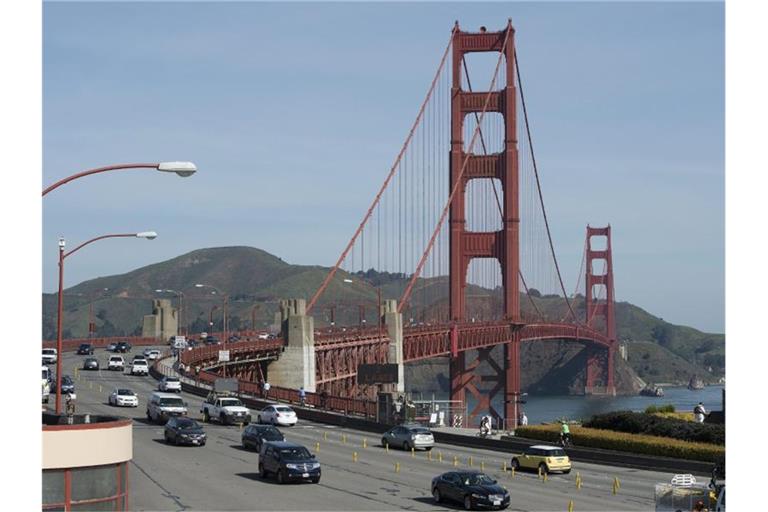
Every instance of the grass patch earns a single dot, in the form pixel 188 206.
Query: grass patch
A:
pixel 622 441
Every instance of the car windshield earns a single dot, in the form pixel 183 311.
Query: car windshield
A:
pixel 230 402
pixel 420 431
pixel 171 379
pixel 139 362
pixel 283 409
pixel 272 434
pixel 172 402
pixel 477 479
pixel 115 358
pixel 295 453
pixel 66 379
pixel 125 392
pixel 84 346
pixel 49 351
pixel 187 424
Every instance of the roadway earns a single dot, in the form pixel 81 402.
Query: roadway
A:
pixel 224 476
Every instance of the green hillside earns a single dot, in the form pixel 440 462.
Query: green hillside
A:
pixel 256 280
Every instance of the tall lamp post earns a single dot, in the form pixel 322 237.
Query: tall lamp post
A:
pixel 225 298
pixel 180 295
pixel 183 169
pixel 149 235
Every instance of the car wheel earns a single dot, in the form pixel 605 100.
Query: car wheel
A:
pixel 428 448
pixel 206 416
pixel 436 495
pixel 566 471
pixel 384 442
pixel 515 464
pixel 467 503
pixel 223 419
pixel 280 477
pixel 258 419
pixel 407 446
pixel 273 421
pixel 543 468
pixel 149 417
pixel 167 439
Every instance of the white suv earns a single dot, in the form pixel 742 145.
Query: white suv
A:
pixel 170 384
pixel 139 367
pixel 49 355
pixel 116 363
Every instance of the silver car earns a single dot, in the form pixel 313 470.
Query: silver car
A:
pixel 409 436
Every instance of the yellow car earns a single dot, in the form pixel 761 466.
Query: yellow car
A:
pixel 546 458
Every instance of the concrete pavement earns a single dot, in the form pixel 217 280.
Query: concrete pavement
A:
pixel 223 476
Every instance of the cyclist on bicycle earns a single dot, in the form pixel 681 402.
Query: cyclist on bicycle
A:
pixel 565 433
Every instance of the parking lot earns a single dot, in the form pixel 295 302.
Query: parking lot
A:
pixel 358 473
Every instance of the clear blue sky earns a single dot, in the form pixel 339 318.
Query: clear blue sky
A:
pixel 294 113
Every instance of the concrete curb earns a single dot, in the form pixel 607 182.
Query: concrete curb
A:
pixel 507 444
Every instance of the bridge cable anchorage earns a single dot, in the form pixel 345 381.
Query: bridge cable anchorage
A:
pixel 392 171
pixel 538 188
pixel 407 293
pixel 493 185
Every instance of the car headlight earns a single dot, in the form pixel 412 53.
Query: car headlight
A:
pixel 292 466
pixel 315 465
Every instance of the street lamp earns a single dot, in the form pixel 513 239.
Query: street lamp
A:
pixel 91 324
pixel 180 295
pixel 149 235
pixel 226 297
pixel 183 169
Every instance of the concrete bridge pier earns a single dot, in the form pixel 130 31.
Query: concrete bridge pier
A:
pixel 393 321
pixel 296 366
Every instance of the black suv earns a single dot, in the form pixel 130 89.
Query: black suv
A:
pixel 123 347
pixel 289 461
pixel 85 349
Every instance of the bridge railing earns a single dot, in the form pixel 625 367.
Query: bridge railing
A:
pixel 74 343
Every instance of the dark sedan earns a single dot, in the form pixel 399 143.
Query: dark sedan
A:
pixel 91 363
pixel 181 430
pixel 67 385
pixel 473 489
pixel 123 347
pixel 85 349
pixel 254 435
pixel 211 340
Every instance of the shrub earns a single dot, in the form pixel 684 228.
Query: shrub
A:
pixel 633 443
pixel 640 423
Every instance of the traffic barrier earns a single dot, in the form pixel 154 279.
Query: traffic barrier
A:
pixel 545 477
pixel 578 481
pixel 482 465
pixel 429 456
pixel 317 446
pixel 616 485
pixel 365 443
pixel 413 452
pixel 325 436
pixel 469 461
pixel 440 457
pixel 386 447
pixel 512 473
pixel 344 438
pixel 570 506
pixel 455 461
pixel 354 456
pixel 397 467
pixel 539 471
pixel 504 466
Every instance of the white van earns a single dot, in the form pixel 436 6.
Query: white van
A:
pixel 46 384
pixel 162 406
pixel 49 355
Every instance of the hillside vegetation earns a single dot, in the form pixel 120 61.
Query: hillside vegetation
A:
pixel 256 280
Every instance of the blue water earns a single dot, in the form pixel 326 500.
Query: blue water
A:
pixel 541 409
pixel 548 408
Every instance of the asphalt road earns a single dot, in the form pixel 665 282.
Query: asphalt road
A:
pixel 223 476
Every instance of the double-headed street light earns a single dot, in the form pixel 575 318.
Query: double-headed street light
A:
pixel 149 235
pixel 183 169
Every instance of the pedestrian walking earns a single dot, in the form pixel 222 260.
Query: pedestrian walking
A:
pixel 266 390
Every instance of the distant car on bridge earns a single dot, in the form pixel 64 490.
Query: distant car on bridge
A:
pixel 255 435
pixel 49 355
pixel 91 363
pixel 123 346
pixel 122 397
pixel 111 347
pixel 151 354
pixel 544 458
pixel 278 415
pixel 180 430
pixel 409 436
pixel 169 384
pixel 116 363
pixel 85 349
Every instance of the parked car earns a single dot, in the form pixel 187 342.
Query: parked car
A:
pixel 162 406
pixel 278 415
pixel 288 461
pixel 122 397
pixel 123 347
pixel 471 488
pixel 85 349
pixel 255 435
pixel 67 385
pixel 409 436
pixel 151 354
pixel 91 363
pixel 111 347
pixel 546 458
pixel 49 355
pixel 116 363
pixel 180 430
pixel 169 384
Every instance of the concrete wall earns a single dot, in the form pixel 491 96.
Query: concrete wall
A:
pixel 296 366
pixel 163 322
pixel 95 444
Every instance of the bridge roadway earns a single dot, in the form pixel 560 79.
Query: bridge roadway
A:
pixel 223 476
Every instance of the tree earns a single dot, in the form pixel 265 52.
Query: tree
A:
pixel 661 334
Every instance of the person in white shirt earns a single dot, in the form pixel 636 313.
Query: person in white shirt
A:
pixel 523 420
pixel 699 412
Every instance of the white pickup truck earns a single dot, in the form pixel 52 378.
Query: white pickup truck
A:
pixel 228 410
